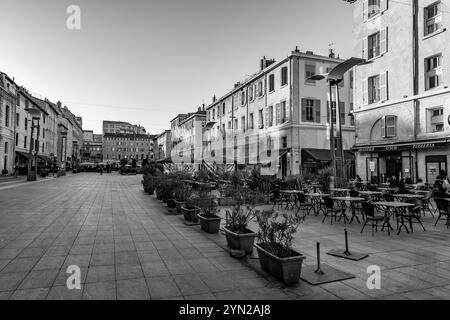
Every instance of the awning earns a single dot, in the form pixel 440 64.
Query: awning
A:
pixel 43 158
pixel 23 154
pixel 416 145
pixel 322 155
pixel 166 160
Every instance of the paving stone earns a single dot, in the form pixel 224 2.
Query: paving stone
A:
pixel 39 279
pixel 134 289
pixel 30 294
pixel 101 274
pixel 162 287
pixel 100 291
pixel 128 271
pixel 63 293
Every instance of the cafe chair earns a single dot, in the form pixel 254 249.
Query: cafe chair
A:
pixel 413 214
pixel 427 205
pixel 304 204
pixel 371 217
pixel 444 210
pixel 278 199
pixel 331 209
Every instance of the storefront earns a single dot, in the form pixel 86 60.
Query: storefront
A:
pixel 316 159
pixel 416 160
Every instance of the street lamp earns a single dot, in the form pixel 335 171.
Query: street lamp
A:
pixel 35 115
pixel 334 78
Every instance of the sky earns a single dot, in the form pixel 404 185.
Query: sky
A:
pixel 146 61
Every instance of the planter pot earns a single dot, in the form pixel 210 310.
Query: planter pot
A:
pixel 179 205
pixel 240 241
pixel 191 215
pixel 227 201
pixel 202 203
pixel 171 203
pixel 210 225
pixel 286 270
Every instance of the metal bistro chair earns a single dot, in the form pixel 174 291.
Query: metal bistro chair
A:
pixel 304 204
pixel 444 210
pixel 413 214
pixel 331 209
pixel 426 203
pixel 371 217
pixel 278 199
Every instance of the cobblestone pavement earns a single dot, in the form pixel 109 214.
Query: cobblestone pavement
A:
pixel 128 248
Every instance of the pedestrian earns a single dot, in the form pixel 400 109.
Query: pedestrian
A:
pixel 16 171
pixel 442 183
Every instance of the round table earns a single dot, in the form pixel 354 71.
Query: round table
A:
pixel 394 207
pixel 316 199
pixel 352 201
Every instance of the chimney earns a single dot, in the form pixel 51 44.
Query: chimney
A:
pixel 214 99
pixel 59 104
pixel 332 55
pixel 203 107
pixel 263 63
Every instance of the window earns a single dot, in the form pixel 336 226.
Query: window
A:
pixel 251 121
pixel 433 75
pixel 242 98
pixel 25 142
pixel 17 120
pixel 310 70
pixel 223 108
pixel 284 76
pixel 270 118
pixel 7 116
pixel 214 114
pixel 374 45
pixel 269 146
pixel 309 110
pixel 284 142
pixel 236 124
pixel 435 120
pixel 17 139
pixel 352 116
pixel 433 18
pixel 284 112
pixel 260 89
pixel 43 133
pixel 229 124
pixel 250 93
pixel 389 126
pixel 374 8
pixel 243 123
pixel 374 89
pixel 271 83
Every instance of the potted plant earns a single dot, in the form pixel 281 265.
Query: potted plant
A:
pixel 191 210
pixel 274 246
pixel 209 220
pixel 182 193
pixel 238 236
pixel 149 183
pixel 227 195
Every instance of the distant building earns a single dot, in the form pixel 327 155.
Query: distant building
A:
pixel 163 146
pixel 92 147
pixel 277 120
pixel 402 98
pixel 122 128
pixel 8 101
pixel 118 146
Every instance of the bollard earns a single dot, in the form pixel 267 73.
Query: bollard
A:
pixel 318 271
pixel 346 244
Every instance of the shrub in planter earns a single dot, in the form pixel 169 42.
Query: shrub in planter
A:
pixel 149 183
pixel 238 236
pixel 182 193
pixel 209 220
pixel 191 210
pixel 274 246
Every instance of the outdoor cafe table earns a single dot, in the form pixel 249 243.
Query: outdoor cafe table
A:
pixel 352 201
pixel 408 196
pixel 388 190
pixel 370 194
pixel 339 191
pixel 316 200
pixel 292 196
pixel 315 186
pixel 391 208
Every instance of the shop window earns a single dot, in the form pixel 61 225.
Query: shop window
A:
pixel 389 126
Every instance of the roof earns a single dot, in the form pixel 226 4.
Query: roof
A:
pixel 193 115
pixel 129 135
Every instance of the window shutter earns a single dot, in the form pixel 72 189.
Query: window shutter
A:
pixel 288 111
pixel 267 117
pixel 365 10
pixel 342 111
pixel 278 111
pixel 317 107
pixel 365 91
pixel 395 126
pixel 303 110
pixel 383 40
pixel 365 51
pixel 383 5
pixel 383 127
pixel 328 112
pixel 384 86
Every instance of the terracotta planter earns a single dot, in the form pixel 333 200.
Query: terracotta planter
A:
pixel 210 225
pixel 191 215
pixel 227 201
pixel 286 270
pixel 240 241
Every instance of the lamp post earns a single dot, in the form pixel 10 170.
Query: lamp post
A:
pixel 334 78
pixel 35 115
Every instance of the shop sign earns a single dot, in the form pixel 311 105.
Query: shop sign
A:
pixel 424 146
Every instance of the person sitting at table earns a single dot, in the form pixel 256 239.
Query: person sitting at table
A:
pixel 420 185
pixel 393 182
pixel 402 187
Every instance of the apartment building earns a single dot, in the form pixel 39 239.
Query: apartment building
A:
pixel 122 127
pixel 8 101
pixel 402 106
pixel 118 146
pixel 92 150
pixel 163 146
pixel 187 139
pixel 277 120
